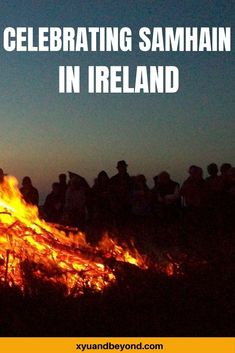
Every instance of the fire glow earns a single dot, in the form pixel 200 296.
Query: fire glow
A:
pixel 53 255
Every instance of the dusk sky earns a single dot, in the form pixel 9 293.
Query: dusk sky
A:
pixel 44 133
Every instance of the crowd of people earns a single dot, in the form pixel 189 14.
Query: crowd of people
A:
pixel 124 199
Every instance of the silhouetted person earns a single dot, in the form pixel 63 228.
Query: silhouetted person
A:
pixel 120 192
pixel 214 186
pixel 29 192
pixel 101 198
pixel 167 196
pixel 82 181
pixel 83 184
pixel 168 190
pixel 62 186
pixel 140 199
pixel 212 170
pixel 193 188
pixel 224 170
pixel 75 202
pixel 53 205
pixel 225 167
pixel 193 192
pixel 155 179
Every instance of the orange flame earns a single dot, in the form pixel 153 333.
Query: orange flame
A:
pixel 28 242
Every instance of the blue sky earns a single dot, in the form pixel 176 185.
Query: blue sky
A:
pixel 44 133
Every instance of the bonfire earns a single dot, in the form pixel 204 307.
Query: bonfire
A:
pixel 28 244
pixel 33 251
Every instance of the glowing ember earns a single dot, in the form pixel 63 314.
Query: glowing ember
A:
pixel 29 245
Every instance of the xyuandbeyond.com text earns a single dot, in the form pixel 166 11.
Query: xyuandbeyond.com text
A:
pixel 118 346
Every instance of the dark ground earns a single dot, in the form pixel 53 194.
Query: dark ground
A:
pixel 140 303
